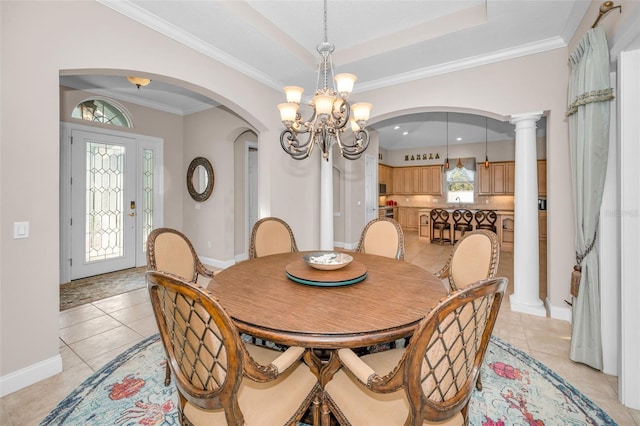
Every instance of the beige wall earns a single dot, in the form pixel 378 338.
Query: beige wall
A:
pixel 498 151
pixel 210 224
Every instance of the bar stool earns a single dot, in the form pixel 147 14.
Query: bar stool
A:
pixel 440 222
pixel 486 219
pixel 461 222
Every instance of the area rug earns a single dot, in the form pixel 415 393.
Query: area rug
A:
pixel 517 390
pixel 90 289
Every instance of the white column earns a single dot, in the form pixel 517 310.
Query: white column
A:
pixel 526 257
pixel 326 202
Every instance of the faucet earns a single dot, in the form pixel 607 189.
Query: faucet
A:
pixel 459 202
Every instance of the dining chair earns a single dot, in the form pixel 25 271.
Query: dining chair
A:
pixel 431 380
pixel 474 257
pixel 169 250
pixel 384 237
pixel 440 223
pixel 219 379
pixel 271 235
pixel 486 219
pixel 461 222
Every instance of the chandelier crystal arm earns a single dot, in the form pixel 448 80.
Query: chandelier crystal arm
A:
pixel 292 146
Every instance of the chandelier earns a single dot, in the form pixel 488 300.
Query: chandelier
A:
pixel 331 113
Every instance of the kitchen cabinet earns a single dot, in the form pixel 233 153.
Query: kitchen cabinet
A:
pixel 417 180
pixel 408 178
pixel 398 180
pixel 498 179
pixel 408 218
pixel 542 178
pixel 403 179
pixel 506 231
pixel 385 175
pixel 542 225
pixel 424 223
pixel 484 180
pixel 430 180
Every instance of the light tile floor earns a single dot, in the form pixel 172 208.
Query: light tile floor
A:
pixel 93 334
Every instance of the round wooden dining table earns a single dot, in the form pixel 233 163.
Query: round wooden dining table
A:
pixel 386 305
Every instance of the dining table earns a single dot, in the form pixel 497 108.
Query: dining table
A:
pixel 274 298
pixel 280 298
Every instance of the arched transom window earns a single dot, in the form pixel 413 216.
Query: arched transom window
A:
pixel 101 111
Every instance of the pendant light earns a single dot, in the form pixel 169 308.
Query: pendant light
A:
pixel 486 152
pixel 446 161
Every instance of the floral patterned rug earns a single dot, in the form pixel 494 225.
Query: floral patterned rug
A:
pixel 517 390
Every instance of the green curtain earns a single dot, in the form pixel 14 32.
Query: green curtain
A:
pixel 589 101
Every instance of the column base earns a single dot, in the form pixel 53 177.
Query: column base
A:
pixel 536 308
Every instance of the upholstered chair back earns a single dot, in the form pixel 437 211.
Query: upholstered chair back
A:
pixel 169 250
pixel 271 235
pixel 382 237
pixel 474 257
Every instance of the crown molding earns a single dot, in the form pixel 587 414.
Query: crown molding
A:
pixel 475 61
pixel 143 17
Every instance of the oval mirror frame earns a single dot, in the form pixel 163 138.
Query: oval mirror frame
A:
pixel 193 166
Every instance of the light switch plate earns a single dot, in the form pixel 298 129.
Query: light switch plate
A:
pixel 20 230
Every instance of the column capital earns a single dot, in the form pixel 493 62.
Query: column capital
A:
pixel 527 116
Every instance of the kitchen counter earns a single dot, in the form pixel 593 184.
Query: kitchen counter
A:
pixel 504 224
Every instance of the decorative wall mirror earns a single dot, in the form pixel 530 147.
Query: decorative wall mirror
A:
pixel 200 179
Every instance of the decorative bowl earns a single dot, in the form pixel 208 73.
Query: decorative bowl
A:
pixel 327 260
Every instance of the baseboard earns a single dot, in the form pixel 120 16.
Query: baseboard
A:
pixel 241 257
pixel 346 246
pixel 558 312
pixel 217 263
pixel 29 375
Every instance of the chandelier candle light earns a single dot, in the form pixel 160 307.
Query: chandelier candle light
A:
pixel 325 128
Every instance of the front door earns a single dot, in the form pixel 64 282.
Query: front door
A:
pixel 103 203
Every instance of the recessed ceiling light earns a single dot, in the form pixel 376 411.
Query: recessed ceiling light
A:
pixel 458 139
pixel 405 133
pixel 396 128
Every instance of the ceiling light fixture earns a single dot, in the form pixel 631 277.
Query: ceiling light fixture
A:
pixel 139 81
pixel 486 151
pixel 331 113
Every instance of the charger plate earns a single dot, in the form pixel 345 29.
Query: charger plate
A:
pixel 302 273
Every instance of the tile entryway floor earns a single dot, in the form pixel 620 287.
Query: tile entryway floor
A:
pixel 92 334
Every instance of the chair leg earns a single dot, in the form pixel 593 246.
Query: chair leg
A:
pixel 167 374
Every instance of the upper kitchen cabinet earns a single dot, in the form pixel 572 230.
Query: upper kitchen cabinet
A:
pixel 542 178
pixel 430 180
pixel 503 177
pixel 417 180
pixel 385 175
pixel 498 179
pixel 403 178
pixel 484 180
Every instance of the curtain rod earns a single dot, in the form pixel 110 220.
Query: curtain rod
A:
pixel 605 8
